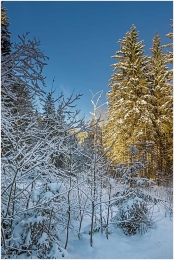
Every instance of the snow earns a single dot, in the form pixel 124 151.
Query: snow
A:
pixel 43 240
pixel 35 195
pixel 28 239
pixel 56 187
pixel 111 181
pixel 133 149
pixel 157 243
pixel 48 195
pixel 57 252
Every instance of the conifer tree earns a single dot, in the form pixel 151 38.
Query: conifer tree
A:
pixel 160 105
pixel 128 118
pixel 16 95
pixel 49 107
pixel 5 34
pixel 5 52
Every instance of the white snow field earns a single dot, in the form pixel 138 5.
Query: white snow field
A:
pixel 157 243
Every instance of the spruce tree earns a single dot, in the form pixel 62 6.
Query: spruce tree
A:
pixel 15 94
pixel 49 107
pixel 5 34
pixel 160 105
pixel 49 115
pixel 128 116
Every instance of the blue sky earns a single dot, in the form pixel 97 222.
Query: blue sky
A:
pixel 80 38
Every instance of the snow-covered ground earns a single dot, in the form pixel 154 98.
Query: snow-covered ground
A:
pixel 157 243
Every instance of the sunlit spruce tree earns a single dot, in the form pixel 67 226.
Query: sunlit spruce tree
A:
pixel 128 116
pixel 160 105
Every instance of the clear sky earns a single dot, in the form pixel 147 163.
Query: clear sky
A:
pixel 80 38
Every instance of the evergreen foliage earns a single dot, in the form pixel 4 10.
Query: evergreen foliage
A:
pixel 5 34
pixel 49 107
pixel 127 108
pixel 140 106
pixel 160 102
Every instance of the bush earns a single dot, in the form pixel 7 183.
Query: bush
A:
pixel 133 216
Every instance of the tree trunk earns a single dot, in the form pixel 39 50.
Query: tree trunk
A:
pixel 107 221
pixel 92 223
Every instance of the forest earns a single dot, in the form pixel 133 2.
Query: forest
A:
pixel 64 178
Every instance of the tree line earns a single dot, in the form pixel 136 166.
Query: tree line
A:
pixel 140 105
